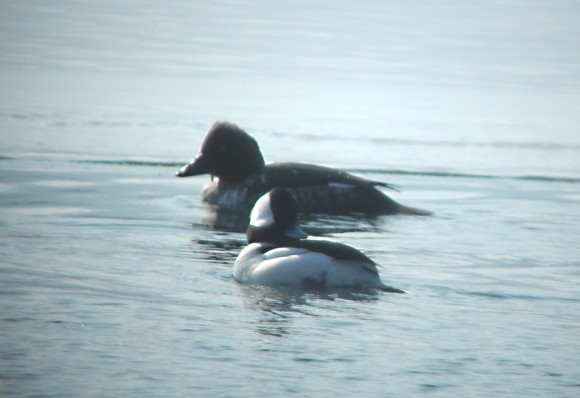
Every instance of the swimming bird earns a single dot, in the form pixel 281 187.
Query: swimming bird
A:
pixel 280 253
pixel 234 157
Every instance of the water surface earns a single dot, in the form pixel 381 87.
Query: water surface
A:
pixel 116 280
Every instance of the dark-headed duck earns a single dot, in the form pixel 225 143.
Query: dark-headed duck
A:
pixel 233 156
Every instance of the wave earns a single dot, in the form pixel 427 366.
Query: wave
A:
pixel 444 174
pixel 137 163
pixel 532 145
pixel 501 144
pixel 363 171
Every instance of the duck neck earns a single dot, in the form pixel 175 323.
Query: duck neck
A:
pixel 269 234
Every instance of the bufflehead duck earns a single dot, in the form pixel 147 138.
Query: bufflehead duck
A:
pixel 233 156
pixel 280 253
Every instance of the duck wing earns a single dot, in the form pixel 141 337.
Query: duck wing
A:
pixel 293 175
pixel 338 251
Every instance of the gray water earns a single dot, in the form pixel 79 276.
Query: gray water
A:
pixel 116 280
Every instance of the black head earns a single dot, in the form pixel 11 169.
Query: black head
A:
pixel 274 219
pixel 227 152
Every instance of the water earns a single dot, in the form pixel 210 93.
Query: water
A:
pixel 116 281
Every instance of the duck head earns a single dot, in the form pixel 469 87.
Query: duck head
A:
pixel 227 152
pixel 274 219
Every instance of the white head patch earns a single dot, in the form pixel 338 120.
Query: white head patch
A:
pixel 262 215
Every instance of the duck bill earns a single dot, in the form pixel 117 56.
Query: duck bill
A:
pixel 197 166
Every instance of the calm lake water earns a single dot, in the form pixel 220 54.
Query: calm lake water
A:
pixel 116 281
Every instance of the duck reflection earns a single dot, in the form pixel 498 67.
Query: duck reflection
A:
pixel 314 224
pixel 225 221
pixel 324 224
pixel 277 307
pixel 218 248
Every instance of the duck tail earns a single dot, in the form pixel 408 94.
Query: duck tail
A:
pixel 390 289
pixel 413 211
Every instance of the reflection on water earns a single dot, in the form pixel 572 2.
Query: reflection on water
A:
pixel 277 306
pixel 274 307
pixel 325 224
pixel 215 219
pixel 218 248
pixel 224 220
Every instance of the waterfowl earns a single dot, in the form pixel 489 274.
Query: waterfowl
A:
pixel 234 157
pixel 280 253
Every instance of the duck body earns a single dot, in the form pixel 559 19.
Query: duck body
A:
pixel 270 265
pixel 280 253
pixel 316 189
pixel 234 157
